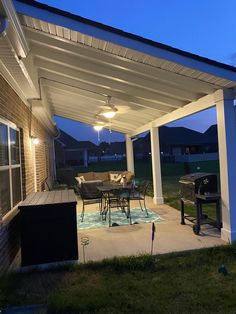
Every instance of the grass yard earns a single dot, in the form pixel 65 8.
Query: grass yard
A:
pixel 174 283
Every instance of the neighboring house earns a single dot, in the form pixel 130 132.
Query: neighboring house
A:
pixel 177 141
pixel 174 142
pixel 71 152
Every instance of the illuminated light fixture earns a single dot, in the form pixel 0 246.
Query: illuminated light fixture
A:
pixel 110 111
pixel 98 127
pixel 35 140
pixel 109 114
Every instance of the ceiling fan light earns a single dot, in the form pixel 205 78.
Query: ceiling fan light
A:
pixel 109 114
pixel 98 127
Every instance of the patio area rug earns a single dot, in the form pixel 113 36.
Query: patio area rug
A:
pixel 93 220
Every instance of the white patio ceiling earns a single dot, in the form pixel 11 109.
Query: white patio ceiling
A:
pixel 79 65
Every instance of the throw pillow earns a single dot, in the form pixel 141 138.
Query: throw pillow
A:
pixel 129 176
pixel 113 177
pixel 118 179
pixel 80 179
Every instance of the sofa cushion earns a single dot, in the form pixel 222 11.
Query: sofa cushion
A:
pixel 113 176
pixel 104 176
pixel 88 176
pixel 128 175
pixel 80 179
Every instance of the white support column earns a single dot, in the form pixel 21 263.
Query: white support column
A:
pixel 129 153
pixel 156 166
pixel 227 154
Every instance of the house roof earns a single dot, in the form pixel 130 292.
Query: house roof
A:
pixel 71 64
pixel 71 143
pixel 182 136
pixel 212 131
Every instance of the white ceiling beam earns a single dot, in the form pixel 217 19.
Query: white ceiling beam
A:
pixel 56 93
pixel 126 120
pixel 56 78
pixel 68 90
pixel 194 107
pixel 118 62
pixel 107 83
pixel 117 75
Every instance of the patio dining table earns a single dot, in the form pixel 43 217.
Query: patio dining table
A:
pixel 112 196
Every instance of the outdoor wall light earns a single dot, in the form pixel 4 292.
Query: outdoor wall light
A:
pixel 35 140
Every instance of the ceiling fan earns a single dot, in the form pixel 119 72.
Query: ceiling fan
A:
pixel 108 110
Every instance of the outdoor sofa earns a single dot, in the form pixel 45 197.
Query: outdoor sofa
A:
pixel 105 177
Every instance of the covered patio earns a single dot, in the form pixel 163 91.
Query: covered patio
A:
pixel 68 66
pixel 135 239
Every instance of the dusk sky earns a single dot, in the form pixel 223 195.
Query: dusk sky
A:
pixel 203 27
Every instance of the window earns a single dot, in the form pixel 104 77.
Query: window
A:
pixel 10 167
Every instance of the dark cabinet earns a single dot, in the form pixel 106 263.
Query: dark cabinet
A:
pixel 48 227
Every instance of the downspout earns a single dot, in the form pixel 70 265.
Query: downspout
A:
pixel 3 26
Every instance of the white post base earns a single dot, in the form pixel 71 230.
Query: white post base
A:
pixel 228 236
pixel 158 200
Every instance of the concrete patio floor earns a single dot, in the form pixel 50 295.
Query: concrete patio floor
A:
pixel 170 236
pixel 135 239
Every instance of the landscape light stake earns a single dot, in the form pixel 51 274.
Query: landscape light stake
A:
pixel 153 236
pixel 84 241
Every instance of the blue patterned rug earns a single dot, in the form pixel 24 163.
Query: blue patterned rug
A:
pixel 94 221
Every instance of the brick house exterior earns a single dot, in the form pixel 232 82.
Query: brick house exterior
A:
pixel 14 110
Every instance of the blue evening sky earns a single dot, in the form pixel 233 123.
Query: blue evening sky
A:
pixel 203 27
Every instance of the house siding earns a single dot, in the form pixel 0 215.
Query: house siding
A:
pixel 13 109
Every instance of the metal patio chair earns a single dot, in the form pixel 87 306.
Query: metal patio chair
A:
pixel 138 193
pixel 90 195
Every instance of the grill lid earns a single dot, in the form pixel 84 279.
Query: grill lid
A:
pixel 192 177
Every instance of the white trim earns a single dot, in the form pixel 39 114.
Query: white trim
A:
pixel 16 35
pixel 9 123
pixel 191 108
pixel 11 166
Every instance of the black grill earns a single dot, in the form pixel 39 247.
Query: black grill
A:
pixel 197 183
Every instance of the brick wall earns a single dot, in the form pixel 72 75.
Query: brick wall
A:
pixel 14 110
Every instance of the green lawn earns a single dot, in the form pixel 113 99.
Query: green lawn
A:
pixel 174 283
